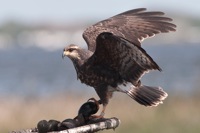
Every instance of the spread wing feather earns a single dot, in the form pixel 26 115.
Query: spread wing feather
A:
pixel 129 60
pixel 134 25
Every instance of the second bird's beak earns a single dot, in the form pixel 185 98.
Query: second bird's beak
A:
pixel 65 53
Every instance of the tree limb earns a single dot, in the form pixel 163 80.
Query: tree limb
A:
pixel 99 125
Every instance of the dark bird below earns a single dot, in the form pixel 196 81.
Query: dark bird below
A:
pixel 115 56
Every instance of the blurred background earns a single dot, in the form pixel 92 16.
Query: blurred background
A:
pixel 36 84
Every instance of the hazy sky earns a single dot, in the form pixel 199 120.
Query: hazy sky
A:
pixel 69 10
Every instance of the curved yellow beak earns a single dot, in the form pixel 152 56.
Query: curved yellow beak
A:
pixel 65 53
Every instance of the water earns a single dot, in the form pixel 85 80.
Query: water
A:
pixel 32 71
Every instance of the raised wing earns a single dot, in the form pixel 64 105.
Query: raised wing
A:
pixel 120 55
pixel 134 25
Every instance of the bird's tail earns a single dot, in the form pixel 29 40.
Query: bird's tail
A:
pixel 146 95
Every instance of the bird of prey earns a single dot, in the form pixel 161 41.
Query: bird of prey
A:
pixel 115 57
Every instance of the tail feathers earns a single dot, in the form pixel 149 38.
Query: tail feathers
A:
pixel 147 96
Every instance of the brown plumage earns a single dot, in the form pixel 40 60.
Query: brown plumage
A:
pixel 115 55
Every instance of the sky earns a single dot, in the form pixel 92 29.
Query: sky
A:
pixel 71 10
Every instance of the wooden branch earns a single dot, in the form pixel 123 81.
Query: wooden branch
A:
pixel 110 123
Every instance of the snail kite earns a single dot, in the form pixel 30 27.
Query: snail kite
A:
pixel 115 57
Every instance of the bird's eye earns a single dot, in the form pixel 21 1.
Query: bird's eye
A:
pixel 70 50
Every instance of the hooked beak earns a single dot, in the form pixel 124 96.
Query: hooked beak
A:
pixel 65 53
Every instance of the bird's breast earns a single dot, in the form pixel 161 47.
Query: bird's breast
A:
pixel 92 79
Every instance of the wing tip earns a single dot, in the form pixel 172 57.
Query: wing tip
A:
pixel 133 11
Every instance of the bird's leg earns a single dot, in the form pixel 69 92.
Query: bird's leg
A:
pixel 101 114
pixel 103 111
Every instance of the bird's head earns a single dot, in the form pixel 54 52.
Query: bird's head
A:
pixel 72 51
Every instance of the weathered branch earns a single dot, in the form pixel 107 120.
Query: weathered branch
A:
pixel 111 123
